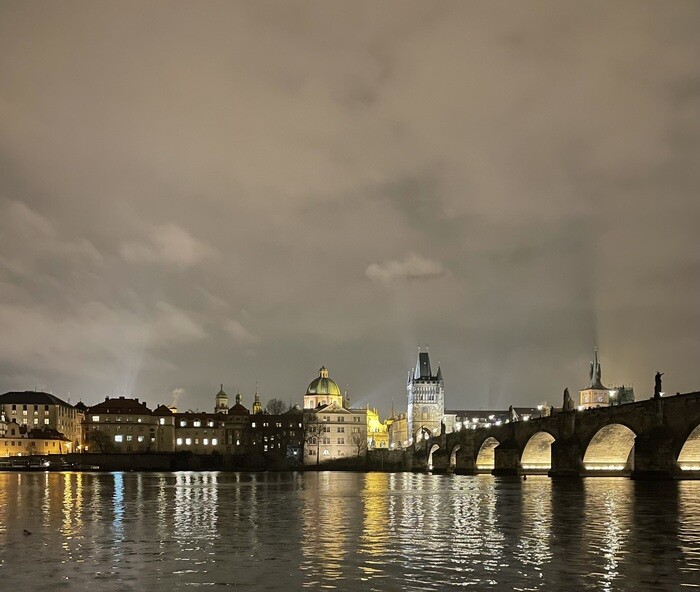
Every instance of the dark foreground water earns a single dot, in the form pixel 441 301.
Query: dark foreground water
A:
pixel 344 531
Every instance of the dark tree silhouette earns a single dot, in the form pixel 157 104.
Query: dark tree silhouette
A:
pixel 276 407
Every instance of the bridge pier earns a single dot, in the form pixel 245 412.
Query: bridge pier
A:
pixel 655 455
pixel 465 463
pixel 441 461
pixel 506 459
pixel 567 459
pixel 419 460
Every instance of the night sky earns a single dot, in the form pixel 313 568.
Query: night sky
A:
pixel 203 192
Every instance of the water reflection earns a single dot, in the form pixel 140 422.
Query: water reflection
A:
pixel 346 531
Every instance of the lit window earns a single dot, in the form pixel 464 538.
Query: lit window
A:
pixel 214 441
pixel 211 424
pixel 196 440
pixel 118 438
pixel 188 441
pixel 46 421
pixel 179 441
pixel 183 424
pixel 95 418
pixel 238 442
pixel 197 423
pixel 140 438
pixel 253 424
pixel 36 421
pixel 205 441
pixel 162 421
pixel 139 420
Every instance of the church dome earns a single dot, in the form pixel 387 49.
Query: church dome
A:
pixel 323 385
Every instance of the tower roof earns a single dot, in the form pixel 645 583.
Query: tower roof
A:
pixel 422 370
pixel 323 385
pixel 594 382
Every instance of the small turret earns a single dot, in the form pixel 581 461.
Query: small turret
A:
pixel 221 405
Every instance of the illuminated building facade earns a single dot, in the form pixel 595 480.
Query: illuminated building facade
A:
pixel 16 440
pixel 397 429
pixel 200 433
pixel 426 399
pixel 332 431
pixel 377 432
pixel 38 410
pixel 122 425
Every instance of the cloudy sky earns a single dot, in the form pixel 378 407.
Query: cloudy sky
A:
pixel 203 192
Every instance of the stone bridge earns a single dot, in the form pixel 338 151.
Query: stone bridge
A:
pixel 655 438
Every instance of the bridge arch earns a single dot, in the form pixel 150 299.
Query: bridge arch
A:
pixel 433 448
pixel 689 455
pixel 486 457
pixel 611 448
pixel 537 454
pixel 453 456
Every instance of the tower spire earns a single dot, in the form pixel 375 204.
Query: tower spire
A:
pixel 257 407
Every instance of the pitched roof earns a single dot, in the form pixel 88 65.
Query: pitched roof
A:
pixel 331 408
pixel 120 405
pixel 162 410
pixel 238 409
pixel 46 434
pixel 31 398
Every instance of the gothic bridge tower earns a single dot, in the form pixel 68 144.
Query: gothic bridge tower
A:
pixel 426 398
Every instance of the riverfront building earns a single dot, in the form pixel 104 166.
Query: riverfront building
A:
pixel 333 431
pixel 44 411
pixel 17 440
pixel 122 425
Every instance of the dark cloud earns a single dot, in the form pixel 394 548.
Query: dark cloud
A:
pixel 240 192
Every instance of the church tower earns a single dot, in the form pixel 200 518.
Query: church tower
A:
pixel 595 394
pixel 257 407
pixel 426 398
pixel 221 405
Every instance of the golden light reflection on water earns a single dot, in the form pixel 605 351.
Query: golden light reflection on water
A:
pixel 326 528
pixel 346 531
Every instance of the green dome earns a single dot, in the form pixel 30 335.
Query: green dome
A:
pixel 323 385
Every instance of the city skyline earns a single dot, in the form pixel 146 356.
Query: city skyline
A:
pixel 242 193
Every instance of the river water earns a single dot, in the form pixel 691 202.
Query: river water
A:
pixel 345 531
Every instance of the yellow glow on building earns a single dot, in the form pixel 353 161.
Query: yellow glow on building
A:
pixel 377 432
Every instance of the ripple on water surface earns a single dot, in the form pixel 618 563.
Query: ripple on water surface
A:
pixel 345 531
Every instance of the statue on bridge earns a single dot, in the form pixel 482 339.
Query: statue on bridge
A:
pixel 657 384
pixel 568 401
pixel 513 414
